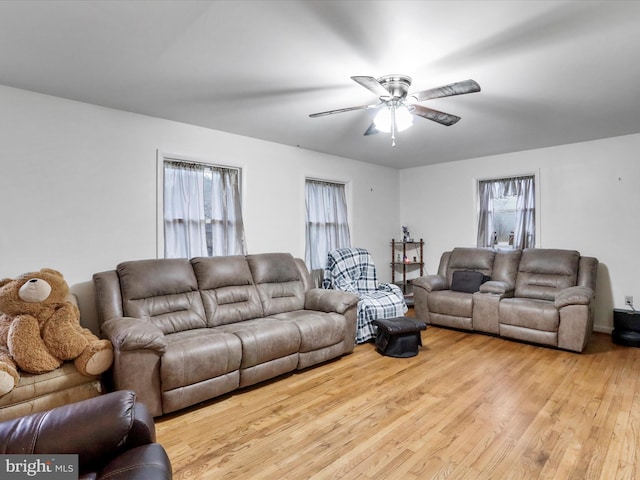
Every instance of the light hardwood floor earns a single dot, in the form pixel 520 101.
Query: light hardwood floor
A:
pixel 469 406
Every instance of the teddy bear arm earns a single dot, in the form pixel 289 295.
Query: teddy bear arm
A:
pixel 63 335
pixel 27 348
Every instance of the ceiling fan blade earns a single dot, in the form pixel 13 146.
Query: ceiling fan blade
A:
pixel 430 114
pixel 340 110
pixel 372 84
pixel 371 130
pixel 459 88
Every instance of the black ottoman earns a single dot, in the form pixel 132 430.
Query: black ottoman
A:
pixel 399 337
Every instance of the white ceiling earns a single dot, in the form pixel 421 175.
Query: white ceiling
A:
pixel 551 72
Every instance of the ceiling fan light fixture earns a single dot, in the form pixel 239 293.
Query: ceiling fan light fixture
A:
pixel 403 118
pixel 397 107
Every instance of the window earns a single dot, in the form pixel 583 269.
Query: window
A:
pixel 201 210
pixel 327 221
pixel 507 212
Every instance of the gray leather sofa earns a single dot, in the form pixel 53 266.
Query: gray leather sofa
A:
pixel 542 296
pixel 185 331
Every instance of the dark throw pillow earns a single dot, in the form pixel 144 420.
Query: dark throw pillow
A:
pixel 467 281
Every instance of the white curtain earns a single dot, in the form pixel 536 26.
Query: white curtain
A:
pixel 227 228
pixel 525 232
pixel 327 226
pixel 202 211
pixel 521 187
pixel 485 217
pixel 184 221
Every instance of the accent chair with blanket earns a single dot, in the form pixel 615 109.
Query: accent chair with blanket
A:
pixel 352 270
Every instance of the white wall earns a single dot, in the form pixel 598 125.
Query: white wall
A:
pixel 78 193
pixel 78 188
pixel 589 201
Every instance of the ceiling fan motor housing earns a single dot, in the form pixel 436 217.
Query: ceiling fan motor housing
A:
pixel 396 85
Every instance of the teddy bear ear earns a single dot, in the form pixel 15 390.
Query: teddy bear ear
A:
pixel 51 270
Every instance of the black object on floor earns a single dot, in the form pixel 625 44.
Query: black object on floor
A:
pixel 626 327
pixel 399 337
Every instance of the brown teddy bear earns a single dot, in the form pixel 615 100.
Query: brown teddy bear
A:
pixel 40 329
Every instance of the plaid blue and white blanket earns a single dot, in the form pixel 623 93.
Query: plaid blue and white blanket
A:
pixel 352 270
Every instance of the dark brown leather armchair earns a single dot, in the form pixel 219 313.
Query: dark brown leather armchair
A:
pixel 113 435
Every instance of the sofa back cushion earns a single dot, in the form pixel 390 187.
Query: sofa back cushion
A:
pixel 588 272
pixel 505 267
pixel 311 279
pixel 543 272
pixel 227 289
pixel 279 283
pixel 163 292
pixel 476 259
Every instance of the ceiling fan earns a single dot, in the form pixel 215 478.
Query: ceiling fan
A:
pixel 397 107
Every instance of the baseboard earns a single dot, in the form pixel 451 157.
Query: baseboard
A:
pixel 602 329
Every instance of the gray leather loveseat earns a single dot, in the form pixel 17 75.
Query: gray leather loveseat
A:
pixel 185 331
pixel 542 296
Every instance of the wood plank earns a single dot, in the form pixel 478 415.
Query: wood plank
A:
pixel 469 406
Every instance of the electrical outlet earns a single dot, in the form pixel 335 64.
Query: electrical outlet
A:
pixel 628 300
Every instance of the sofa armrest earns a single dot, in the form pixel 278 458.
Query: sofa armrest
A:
pixel 128 333
pixel 576 317
pixel 573 296
pixel 143 429
pixel 326 300
pixel 95 438
pixel 141 463
pixel 496 287
pixel 431 283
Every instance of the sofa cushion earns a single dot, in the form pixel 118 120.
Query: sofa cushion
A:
pixel 529 313
pixel 197 355
pixel 317 329
pixel 451 303
pixel 543 273
pixel 278 280
pixel 163 292
pixel 40 392
pixel 264 339
pixel 227 289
